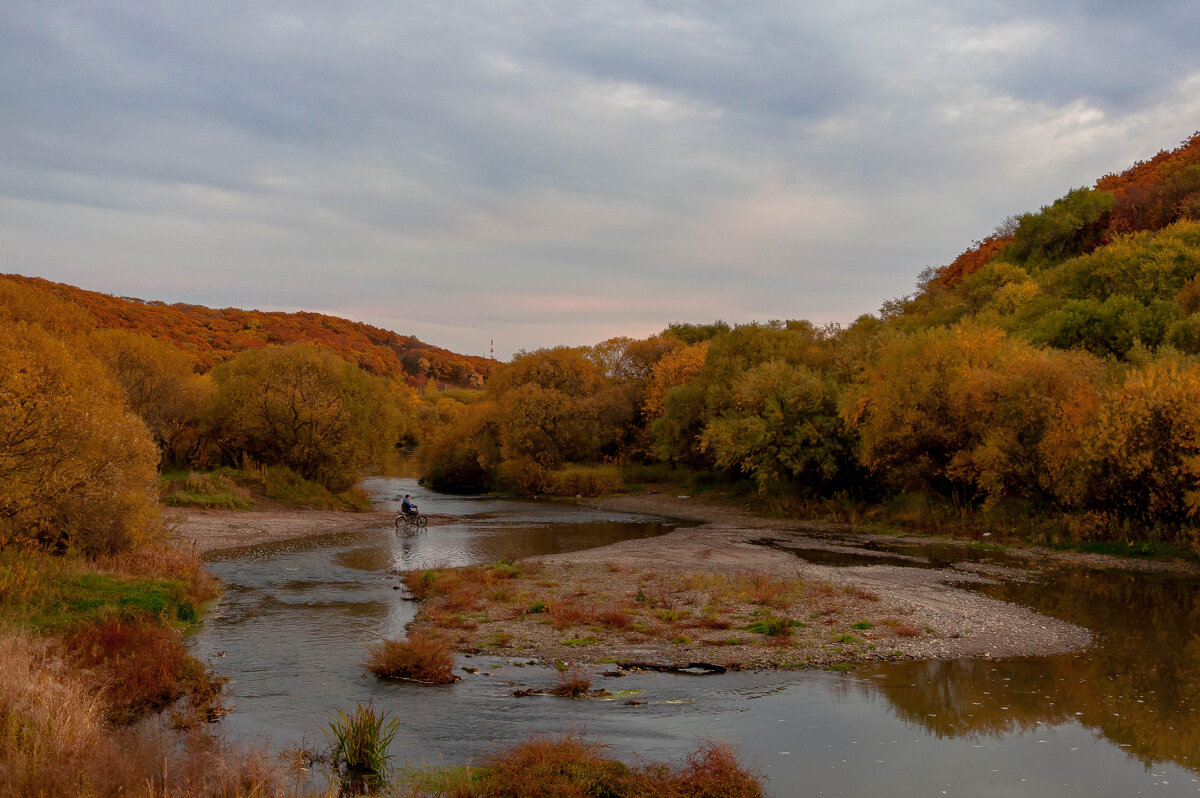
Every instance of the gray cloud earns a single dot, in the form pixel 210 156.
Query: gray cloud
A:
pixel 549 173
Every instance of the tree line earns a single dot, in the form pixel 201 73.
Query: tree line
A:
pixel 1051 372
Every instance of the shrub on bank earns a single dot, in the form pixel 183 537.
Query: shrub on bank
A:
pixel 570 767
pixel 423 657
pixel 55 742
pixel 120 622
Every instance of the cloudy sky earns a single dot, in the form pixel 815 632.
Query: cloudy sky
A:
pixel 546 172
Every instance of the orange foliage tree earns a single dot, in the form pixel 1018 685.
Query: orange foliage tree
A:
pixel 963 411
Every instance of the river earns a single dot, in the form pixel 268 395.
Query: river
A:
pixel 1117 719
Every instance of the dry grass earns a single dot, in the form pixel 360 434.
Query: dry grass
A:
pixel 423 657
pixel 54 742
pixel 572 683
pixel 615 617
pixel 571 767
pixel 679 617
pixel 569 612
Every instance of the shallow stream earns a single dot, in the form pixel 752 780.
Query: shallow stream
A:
pixel 1118 719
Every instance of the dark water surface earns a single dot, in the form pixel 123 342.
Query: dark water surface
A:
pixel 1118 719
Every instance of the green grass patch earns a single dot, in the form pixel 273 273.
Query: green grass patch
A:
pixel 773 626
pixel 237 489
pixel 580 641
pixel 841 667
pixel 1138 549
pixel 863 625
pixel 68 600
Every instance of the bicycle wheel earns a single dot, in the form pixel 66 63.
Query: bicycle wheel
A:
pixel 422 521
pixel 400 523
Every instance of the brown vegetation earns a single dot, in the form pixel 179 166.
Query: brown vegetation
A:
pixel 571 767
pixel 423 657
pixel 55 742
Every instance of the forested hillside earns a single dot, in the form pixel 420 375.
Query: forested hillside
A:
pixel 210 336
pixel 1049 375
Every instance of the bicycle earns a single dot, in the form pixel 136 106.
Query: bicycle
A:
pixel 410 520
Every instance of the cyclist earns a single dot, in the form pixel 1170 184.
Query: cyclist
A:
pixel 407 507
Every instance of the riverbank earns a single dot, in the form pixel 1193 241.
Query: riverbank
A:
pixel 207 531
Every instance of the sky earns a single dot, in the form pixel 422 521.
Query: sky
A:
pixel 548 173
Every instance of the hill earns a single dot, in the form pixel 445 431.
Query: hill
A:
pixel 210 336
pixel 1111 269
pixel 1149 195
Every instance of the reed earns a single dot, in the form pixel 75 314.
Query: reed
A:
pixel 360 748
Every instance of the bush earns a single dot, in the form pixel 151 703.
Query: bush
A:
pixel 422 657
pixel 145 667
pixel 544 767
pixel 569 767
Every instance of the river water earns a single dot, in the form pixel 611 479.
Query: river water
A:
pixel 1118 719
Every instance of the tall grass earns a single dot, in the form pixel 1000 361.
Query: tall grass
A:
pixel 595 480
pixel 360 748
pixel 236 489
pixel 55 742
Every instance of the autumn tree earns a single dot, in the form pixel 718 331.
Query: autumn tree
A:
pixel 306 408
pixel 462 453
pixel 710 391
pixel 1136 456
pixel 160 385
pixel 77 470
pixel 963 411
pixel 781 428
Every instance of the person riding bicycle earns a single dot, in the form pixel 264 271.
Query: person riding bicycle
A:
pixel 407 507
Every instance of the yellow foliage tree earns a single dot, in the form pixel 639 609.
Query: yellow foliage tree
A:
pixel 673 368
pixel 160 385
pixel 77 470
pixel 964 410
pixel 1135 456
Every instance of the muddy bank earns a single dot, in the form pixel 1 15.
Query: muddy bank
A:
pixel 213 530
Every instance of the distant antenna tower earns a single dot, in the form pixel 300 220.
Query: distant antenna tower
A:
pixel 492 348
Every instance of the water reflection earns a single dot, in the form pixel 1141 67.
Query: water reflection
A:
pixel 1136 686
